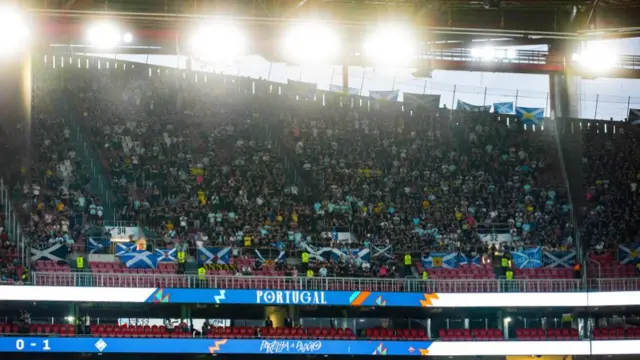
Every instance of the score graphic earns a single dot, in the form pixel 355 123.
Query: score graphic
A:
pixel 42 345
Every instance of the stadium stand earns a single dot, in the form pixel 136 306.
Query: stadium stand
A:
pixel 195 164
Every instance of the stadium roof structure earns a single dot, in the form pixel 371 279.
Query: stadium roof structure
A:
pixel 162 26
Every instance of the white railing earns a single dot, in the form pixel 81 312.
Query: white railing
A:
pixel 315 283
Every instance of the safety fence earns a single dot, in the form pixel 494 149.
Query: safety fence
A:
pixel 330 283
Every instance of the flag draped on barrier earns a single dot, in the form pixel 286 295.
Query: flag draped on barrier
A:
pixel 124 248
pixel 472 108
pixel 558 259
pixel 56 252
pixel 140 259
pixel 527 258
pixel 530 116
pixel 166 255
pixel 629 254
pixel 441 260
pixel 340 89
pixel 503 108
pixel 328 253
pixel 302 89
pixel 214 255
pixel 421 100
pixel 98 245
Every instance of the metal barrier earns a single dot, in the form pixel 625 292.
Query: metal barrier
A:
pixel 316 283
pixel 12 225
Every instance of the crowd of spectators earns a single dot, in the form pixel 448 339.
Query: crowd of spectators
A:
pixel 200 163
pixel 612 173
pixel 196 162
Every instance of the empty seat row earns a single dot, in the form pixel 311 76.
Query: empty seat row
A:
pixel 616 333
pixel 469 335
pixel 549 334
pixel 396 334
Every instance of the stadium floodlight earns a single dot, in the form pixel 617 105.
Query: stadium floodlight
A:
pixel 127 38
pixel 13 29
pixel 311 43
pixel 391 46
pixel 104 35
pixel 597 58
pixel 219 41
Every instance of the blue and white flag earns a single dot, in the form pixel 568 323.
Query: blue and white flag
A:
pixel 321 254
pixel 469 260
pixel 530 116
pixel 98 245
pixel 340 89
pixel 140 259
pixel 279 256
pixel 503 108
pixel 441 260
pixel 214 255
pixel 629 254
pixel 527 259
pixel 558 259
pixel 391 95
pixel 166 255
pixel 125 248
pixel 464 106
pixel 382 251
pixel 362 254
pixel 55 253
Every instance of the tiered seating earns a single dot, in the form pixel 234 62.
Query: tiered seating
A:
pixel 117 267
pixel 396 334
pixel 136 331
pixel 469 335
pixel 544 273
pixel 613 271
pixel 8 329
pixel 463 272
pixel 550 334
pixel 51 266
pixel 41 329
pixel 616 333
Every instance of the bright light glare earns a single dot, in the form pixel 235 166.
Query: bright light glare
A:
pixel 13 30
pixel 391 46
pixel 222 41
pixel 128 38
pixel 104 35
pixel 489 53
pixel 597 58
pixel 311 43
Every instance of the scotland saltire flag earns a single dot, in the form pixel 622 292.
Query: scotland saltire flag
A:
pixel 530 116
pixel 55 253
pixel 362 254
pixel 166 255
pixel 321 254
pixel 441 260
pixel 469 260
pixel 558 259
pixel 383 251
pixel 629 254
pixel 125 248
pixel 527 258
pixel 98 245
pixel 503 108
pixel 385 95
pixel 209 255
pixel 473 108
pixel 140 259
pixel 281 256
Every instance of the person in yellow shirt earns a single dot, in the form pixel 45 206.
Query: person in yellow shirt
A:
pixel 60 207
pixel 169 226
